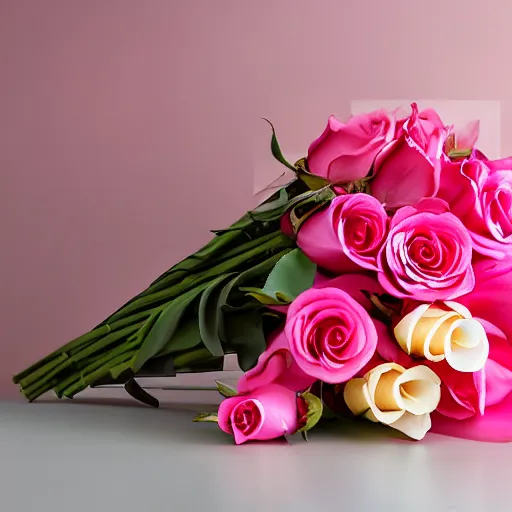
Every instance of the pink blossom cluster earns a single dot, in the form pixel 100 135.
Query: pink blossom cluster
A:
pixel 407 323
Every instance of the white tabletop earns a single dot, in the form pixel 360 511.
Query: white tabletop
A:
pixel 119 457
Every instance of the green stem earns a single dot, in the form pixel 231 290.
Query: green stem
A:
pixel 97 374
pixel 97 362
pixel 28 388
pixel 45 365
pixel 275 242
pixel 41 390
pixel 201 265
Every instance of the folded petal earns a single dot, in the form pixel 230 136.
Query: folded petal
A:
pixel 495 425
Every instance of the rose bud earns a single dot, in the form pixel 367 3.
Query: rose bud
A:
pixel 402 399
pixel 444 330
pixel 345 152
pixel 264 414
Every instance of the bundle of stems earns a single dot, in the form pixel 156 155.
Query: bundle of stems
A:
pixel 168 318
pixel 208 305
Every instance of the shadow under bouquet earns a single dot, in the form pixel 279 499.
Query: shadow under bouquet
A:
pixel 374 285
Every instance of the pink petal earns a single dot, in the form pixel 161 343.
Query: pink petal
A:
pixel 495 425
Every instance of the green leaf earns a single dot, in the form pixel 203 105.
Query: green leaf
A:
pixel 315 408
pixel 280 201
pixel 307 207
pixel 293 274
pixel 261 296
pixel 249 276
pixel 225 390
pixel 276 150
pixel 312 181
pixel 167 324
pixel 187 336
pixel 208 319
pixel 209 417
pixel 243 329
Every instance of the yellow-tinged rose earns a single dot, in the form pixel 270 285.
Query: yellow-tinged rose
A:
pixel 402 399
pixel 444 331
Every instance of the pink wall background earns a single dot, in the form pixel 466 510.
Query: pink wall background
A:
pixel 129 128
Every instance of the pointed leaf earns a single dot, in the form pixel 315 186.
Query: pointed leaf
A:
pixel 276 150
pixel 259 271
pixel 187 336
pixel 274 203
pixel 245 336
pixel 261 296
pixel 208 319
pixel 135 391
pixel 165 327
pixel 225 390
pixel 293 274
pixel 210 417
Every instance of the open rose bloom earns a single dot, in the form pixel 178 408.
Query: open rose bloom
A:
pixel 377 283
pixel 408 318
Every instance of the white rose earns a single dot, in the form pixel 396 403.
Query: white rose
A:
pixel 402 399
pixel 445 330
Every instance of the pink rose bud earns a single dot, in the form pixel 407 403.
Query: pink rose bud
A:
pixel 427 255
pixel 347 235
pixel 482 199
pixel 266 413
pixel 331 336
pixel 345 152
pixel 408 169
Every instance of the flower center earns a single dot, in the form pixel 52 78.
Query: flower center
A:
pixel 247 417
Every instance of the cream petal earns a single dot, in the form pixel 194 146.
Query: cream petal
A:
pixel 412 425
pixel 370 416
pixel 433 338
pixel 419 390
pixel 354 396
pixel 463 311
pixel 466 346
pixel 404 329
pixel 373 378
pixel 434 312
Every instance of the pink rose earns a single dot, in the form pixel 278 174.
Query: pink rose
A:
pixel 482 199
pixel 331 335
pixel 408 169
pixel 266 413
pixel 427 255
pixel 275 366
pixel 421 126
pixel 346 235
pixel 345 152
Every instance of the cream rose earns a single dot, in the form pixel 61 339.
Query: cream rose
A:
pixel 402 399
pixel 444 331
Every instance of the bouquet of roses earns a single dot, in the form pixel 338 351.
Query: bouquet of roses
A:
pixel 374 285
